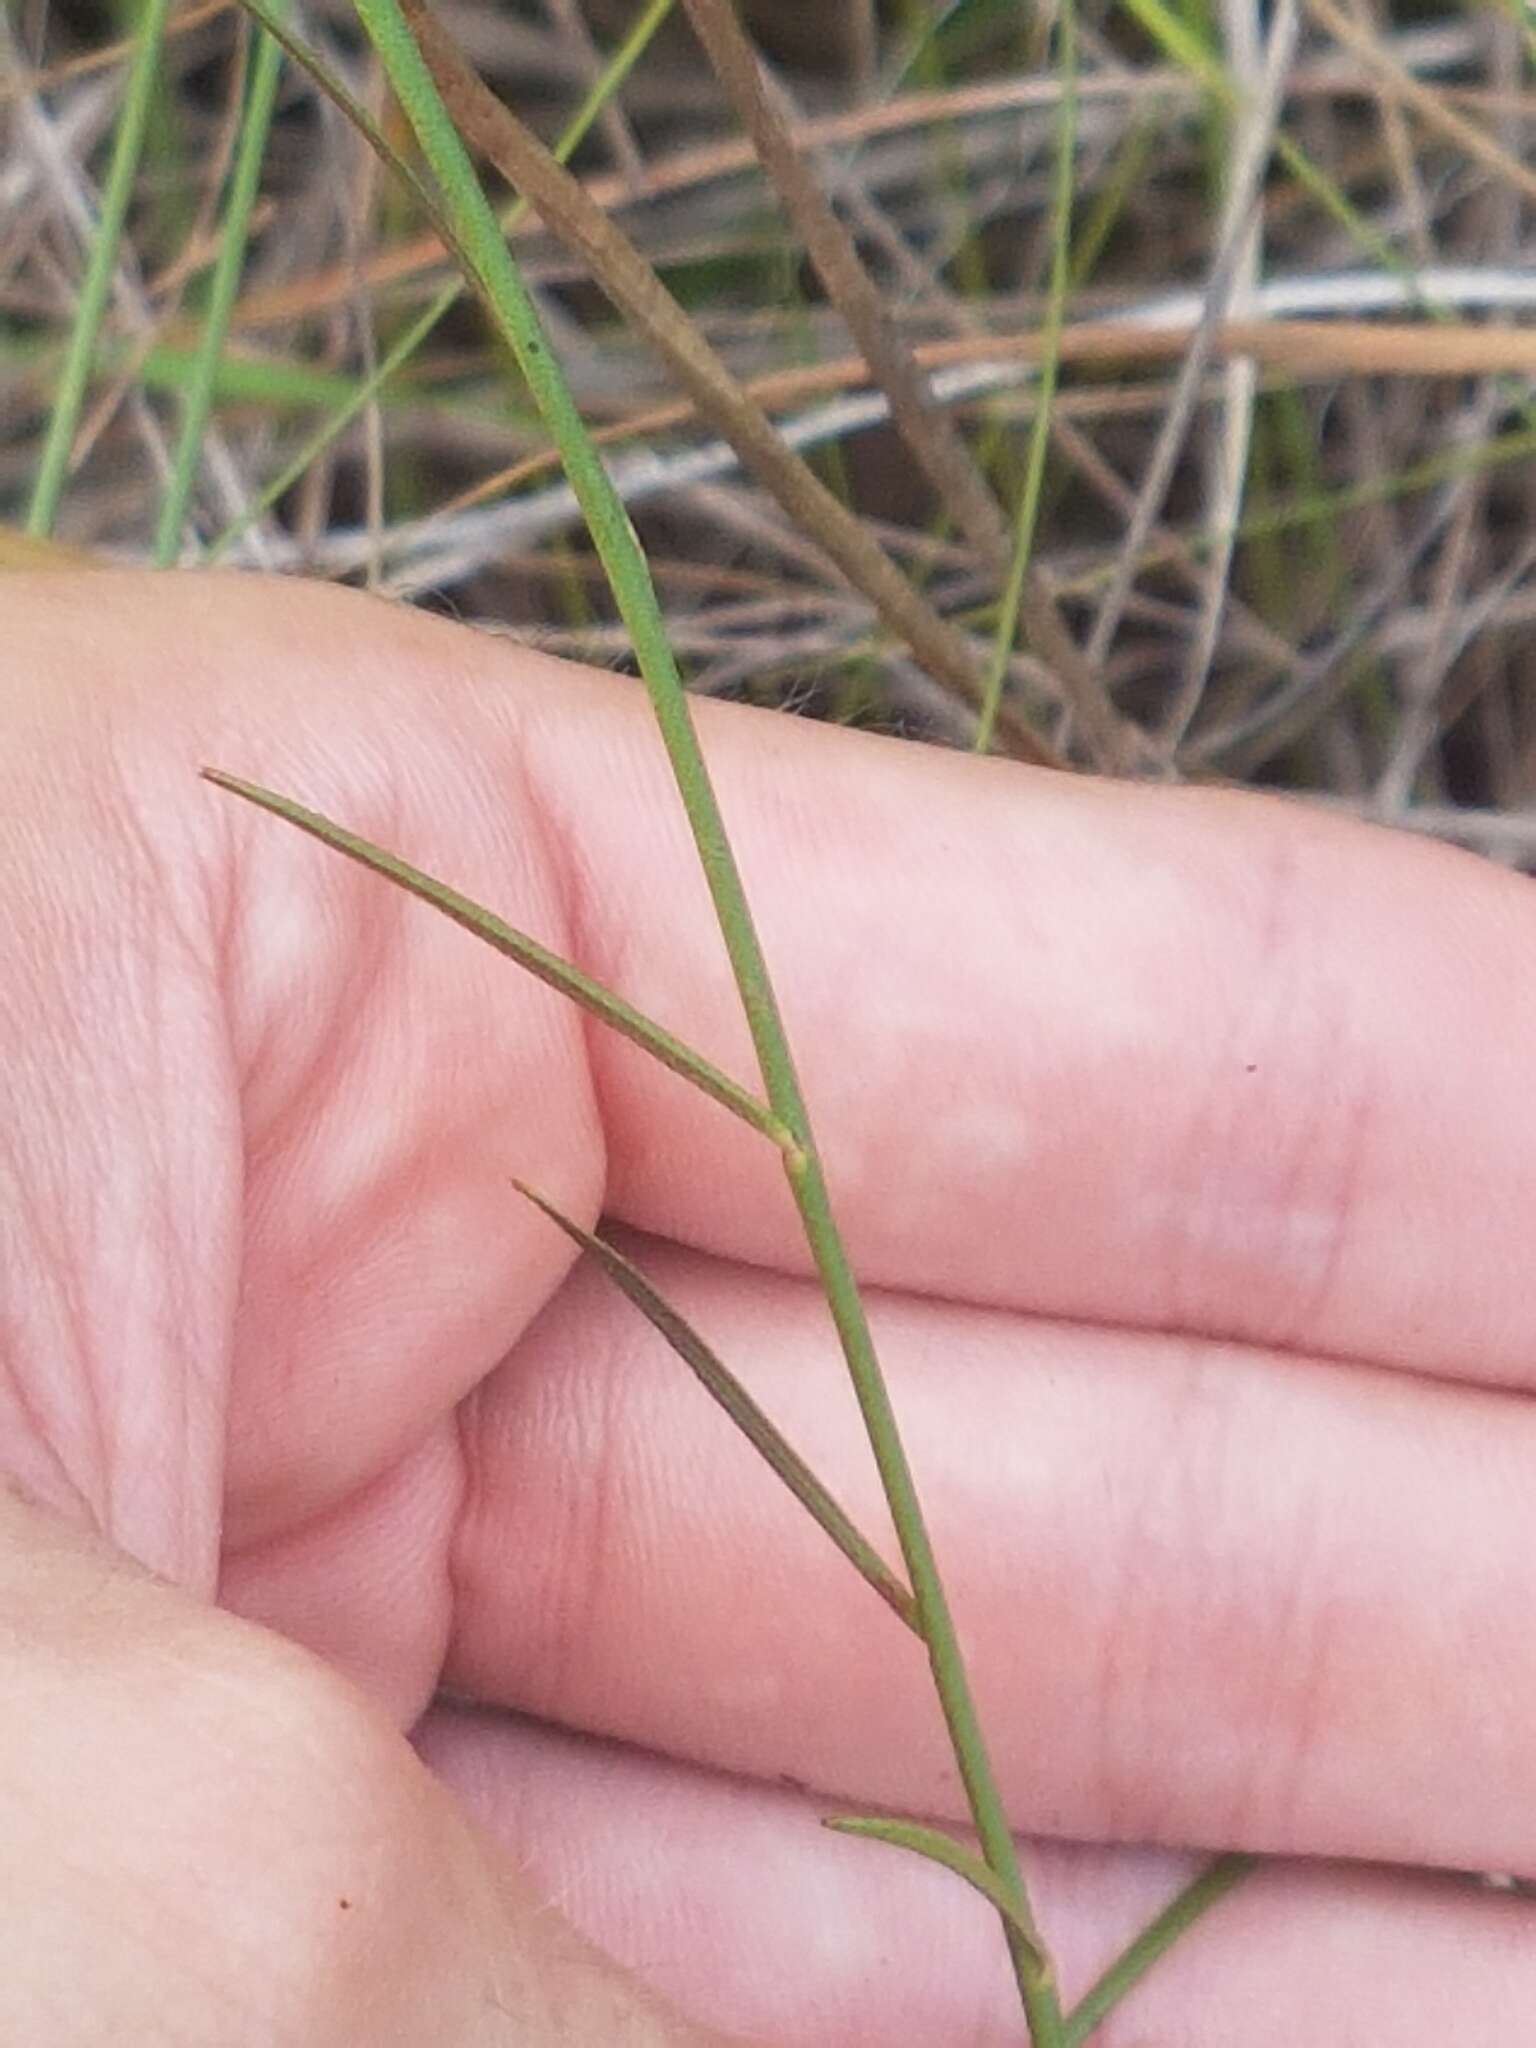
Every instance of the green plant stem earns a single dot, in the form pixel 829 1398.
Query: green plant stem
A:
pixel 197 401
pixel 616 544
pixel 1031 1966
pixel 68 397
pixel 613 74
pixel 1128 1968
pixel 1050 352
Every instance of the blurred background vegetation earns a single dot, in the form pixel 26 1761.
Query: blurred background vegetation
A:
pixel 1260 372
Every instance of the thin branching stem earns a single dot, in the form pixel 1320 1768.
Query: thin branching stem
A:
pixel 1031 1965
pixel 533 958
pixel 480 235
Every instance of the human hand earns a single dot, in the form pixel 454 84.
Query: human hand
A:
pixel 1187 1136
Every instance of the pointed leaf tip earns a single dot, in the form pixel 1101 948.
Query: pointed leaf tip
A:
pixel 937 1847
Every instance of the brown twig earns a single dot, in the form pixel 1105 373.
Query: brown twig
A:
pixel 929 432
pixel 689 169
pixel 931 436
pixel 1430 105
pixel 1301 348
pixel 628 280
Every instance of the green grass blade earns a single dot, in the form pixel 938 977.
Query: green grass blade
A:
pixel 324 436
pixel 197 403
pixel 1177 41
pixel 1127 1970
pixel 248 378
pixel 1310 508
pixel 96 286
pixel 936 1847
pixel 1045 381
pixel 722 1385
pixel 537 960
pixel 612 76
pixel 269 15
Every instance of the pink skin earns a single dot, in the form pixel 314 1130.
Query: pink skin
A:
pixel 1185 1139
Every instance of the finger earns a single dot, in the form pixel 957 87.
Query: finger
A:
pixel 1226 1065
pixel 260 1111
pixel 754 1918
pixel 1178 1059
pixel 1181 1059
pixel 366 1586
pixel 1209 1595
pixel 1027 1009
pixel 207 1837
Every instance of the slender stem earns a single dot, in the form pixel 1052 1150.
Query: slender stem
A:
pixel 1050 354
pixel 1036 1983
pixel 197 401
pixel 617 547
pixel 69 396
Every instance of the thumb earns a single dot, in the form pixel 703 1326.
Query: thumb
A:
pixel 205 1836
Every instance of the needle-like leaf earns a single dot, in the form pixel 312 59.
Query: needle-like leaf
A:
pixel 938 1847
pixel 1128 1968
pixel 717 1379
pixel 548 967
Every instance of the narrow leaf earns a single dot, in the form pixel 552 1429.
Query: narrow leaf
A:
pixel 1128 1968
pixel 101 265
pixel 197 400
pixel 527 952
pixel 329 81
pixel 938 1847
pixel 604 87
pixel 722 1385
